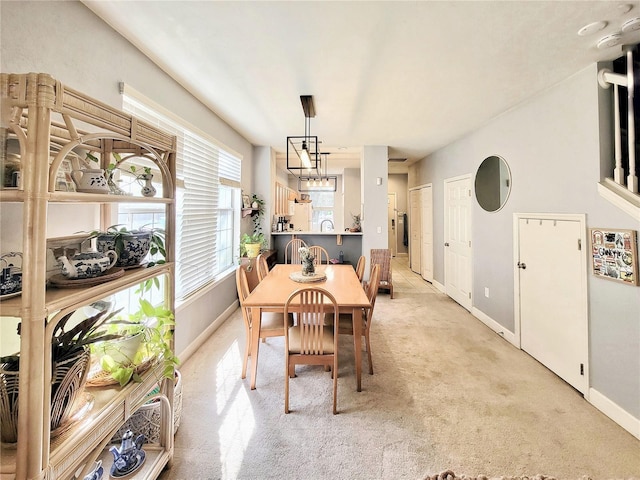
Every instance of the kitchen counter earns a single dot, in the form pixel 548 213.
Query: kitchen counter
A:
pixel 349 243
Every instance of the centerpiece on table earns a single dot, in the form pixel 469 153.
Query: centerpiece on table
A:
pixel 308 273
pixel 308 268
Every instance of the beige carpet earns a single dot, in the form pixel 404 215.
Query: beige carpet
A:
pixel 448 394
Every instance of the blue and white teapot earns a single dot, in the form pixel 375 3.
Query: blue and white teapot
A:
pixel 88 264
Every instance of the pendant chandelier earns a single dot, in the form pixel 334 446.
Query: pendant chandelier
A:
pixel 303 157
pixel 319 183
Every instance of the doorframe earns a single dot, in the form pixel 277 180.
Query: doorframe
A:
pixel 394 251
pixel 575 217
pixel 423 190
pixel 469 177
pixel 412 225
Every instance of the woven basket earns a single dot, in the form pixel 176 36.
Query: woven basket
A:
pixel 146 420
pixel 67 385
pixel 8 405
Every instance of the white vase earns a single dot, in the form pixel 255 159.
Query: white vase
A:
pixel 148 190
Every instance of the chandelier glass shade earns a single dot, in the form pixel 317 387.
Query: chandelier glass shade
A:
pixel 318 184
pixel 303 157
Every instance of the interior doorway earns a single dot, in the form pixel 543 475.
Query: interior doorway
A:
pixel 550 283
pixel 414 231
pixel 392 219
pixel 426 219
pixel 457 238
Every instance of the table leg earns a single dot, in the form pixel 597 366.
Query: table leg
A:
pixel 357 345
pixel 255 344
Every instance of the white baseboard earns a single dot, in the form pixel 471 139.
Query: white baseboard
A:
pixel 197 343
pixel 615 412
pixel 439 286
pixel 495 326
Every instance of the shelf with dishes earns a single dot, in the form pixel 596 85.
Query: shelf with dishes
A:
pixel 16 195
pixel 110 407
pixel 58 298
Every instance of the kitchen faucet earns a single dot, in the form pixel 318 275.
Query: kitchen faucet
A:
pixel 326 220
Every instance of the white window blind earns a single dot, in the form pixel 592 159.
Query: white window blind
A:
pixel 208 178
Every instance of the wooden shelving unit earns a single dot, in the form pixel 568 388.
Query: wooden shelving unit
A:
pixel 48 120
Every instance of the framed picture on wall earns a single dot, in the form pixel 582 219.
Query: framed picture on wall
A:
pixel 614 255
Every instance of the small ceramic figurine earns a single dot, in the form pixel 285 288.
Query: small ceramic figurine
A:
pixel 90 180
pixel 11 276
pixel 129 456
pixel 148 190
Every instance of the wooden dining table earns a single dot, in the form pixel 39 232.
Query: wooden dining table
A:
pixel 272 293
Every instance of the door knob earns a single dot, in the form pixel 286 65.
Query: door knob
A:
pixel 446 244
pixel 522 265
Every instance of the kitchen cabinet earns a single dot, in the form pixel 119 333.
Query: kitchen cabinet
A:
pixel 49 121
pixel 284 200
pixel 302 218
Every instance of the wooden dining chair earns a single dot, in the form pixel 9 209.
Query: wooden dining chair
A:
pixel 271 324
pixel 262 267
pixel 291 254
pixel 382 257
pixel 310 342
pixel 345 327
pixel 320 255
pixel 362 261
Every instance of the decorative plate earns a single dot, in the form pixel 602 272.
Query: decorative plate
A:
pixel 60 280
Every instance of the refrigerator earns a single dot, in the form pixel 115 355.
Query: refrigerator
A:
pixel 302 217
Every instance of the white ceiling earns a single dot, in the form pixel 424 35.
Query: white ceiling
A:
pixel 411 75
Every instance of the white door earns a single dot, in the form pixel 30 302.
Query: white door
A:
pixel 426 251
pixel 392 223
pixel 551 279
pixel 457 237
pixel 414 230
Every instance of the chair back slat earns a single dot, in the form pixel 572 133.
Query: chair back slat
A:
pixel 291 254
pixel 360 267
pixel 242 284
pixel 320 255
pixel 262 266
pixel 372 289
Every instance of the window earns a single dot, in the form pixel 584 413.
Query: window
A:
pixel 208 193
pixel 323 205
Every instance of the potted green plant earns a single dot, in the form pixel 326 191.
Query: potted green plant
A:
pixel 132 246
pixel 251 244
pixel 70 359
pixel 149 330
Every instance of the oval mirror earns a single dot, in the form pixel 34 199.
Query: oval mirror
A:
pixel 493 183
